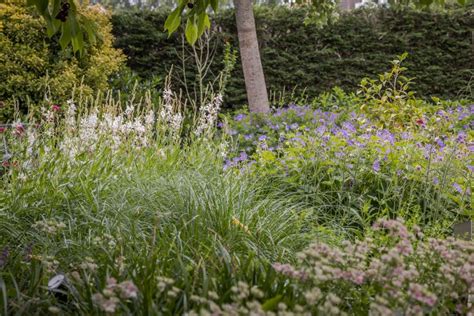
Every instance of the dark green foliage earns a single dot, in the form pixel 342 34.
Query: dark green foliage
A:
pixel 298 57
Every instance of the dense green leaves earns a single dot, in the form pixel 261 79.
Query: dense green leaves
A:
pixel 320 13
pixel 34 66
pixel 65 16
pixel 298 58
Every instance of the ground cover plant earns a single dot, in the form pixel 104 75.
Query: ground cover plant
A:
pixel 340 207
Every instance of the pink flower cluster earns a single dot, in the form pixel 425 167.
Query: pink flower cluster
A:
pixel 110 297
pixel 396 269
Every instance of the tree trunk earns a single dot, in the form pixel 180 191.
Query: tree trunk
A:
pixel 251 63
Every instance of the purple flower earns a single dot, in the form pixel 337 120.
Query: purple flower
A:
pixel 349 127
pixel 299 140
pixel 376 165
pixel 248 136
pixel 386 136
pixel 435 180
pixel 228 164
pixel 243 156
pixel 461 138
pixel 332 117
pixel 345 133
pixel 274 127
pixel 262 138
pixel 321 130
pixel 440 143
pixel 458 188
pixel 128 290
pixel 239 117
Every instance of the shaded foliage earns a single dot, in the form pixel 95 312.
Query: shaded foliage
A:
pixel 298 57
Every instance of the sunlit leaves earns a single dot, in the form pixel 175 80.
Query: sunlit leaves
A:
pixel 197 19
pixel 203 23
pixel 191 31
pixel 174 20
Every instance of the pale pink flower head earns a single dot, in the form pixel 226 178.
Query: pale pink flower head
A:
pixel 19 129
pixel 128 290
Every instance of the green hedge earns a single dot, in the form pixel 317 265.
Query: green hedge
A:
pixel 296 57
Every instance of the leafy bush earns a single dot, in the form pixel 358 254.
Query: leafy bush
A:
pixel 34 67
pixel 341 54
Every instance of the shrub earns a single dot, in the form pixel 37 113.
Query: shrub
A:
pixel 34 67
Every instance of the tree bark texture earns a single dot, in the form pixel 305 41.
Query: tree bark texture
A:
pixel 249 53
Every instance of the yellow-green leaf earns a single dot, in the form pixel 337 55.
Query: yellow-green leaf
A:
pixel 191 31
pixel 268 156
pixel 203 23
pixel 173 21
